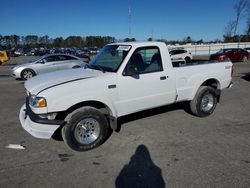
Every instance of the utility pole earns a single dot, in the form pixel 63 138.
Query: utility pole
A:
pixel 129 18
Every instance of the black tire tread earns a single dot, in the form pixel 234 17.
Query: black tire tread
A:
pixel 71 121
pixel 194 104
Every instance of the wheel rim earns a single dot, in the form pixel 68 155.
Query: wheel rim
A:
pixel 207 102
pixel 87 131
pixel 27 74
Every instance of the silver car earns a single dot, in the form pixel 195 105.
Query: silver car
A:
pixel 47 63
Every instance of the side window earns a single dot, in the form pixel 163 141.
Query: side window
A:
pixel 65 57
pixel 50 59
pixel 180 51
pixel 62 58
pixel 146 60
pixel 173 52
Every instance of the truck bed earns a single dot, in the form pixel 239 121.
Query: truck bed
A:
pixel 182 63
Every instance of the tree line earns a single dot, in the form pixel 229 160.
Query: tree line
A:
pixel 34 41
pixel 241 10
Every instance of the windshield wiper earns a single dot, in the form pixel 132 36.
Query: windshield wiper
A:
pixel 99 67
pixel 94 66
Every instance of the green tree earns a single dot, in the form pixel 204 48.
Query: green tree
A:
pixel 58 42
pixel 129 40
pixel 44 41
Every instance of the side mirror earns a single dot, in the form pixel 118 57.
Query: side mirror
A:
pixel 130 71
pixel 41 62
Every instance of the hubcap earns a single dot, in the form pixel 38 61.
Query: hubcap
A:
pixel 207 102
pixel 27 74
pixel 87 131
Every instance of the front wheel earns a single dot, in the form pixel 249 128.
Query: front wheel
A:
pixel 27 74
pixel 204 101
pixel 86 129
pixel 187 59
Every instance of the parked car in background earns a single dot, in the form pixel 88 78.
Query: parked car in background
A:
pixel 47 63
pixel 3 56
pixel 84 56
pixel 247 49
pixel 180 53
pixel 234 54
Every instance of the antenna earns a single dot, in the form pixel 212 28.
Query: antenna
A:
pixel 129 18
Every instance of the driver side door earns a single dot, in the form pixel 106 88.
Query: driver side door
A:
pixel 151 86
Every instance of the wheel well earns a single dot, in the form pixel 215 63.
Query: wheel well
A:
pixel 96 104
pixel 212 83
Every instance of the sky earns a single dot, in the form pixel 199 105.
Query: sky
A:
pixel 159 19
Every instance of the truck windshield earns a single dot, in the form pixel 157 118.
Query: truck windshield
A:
pixel 110 58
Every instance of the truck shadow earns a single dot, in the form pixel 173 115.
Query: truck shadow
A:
pixel 152 112
pixel 140 171
pixel 246 77
pixel 135 116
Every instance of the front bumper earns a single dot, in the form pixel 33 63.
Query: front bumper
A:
pixel 36 126
pixel 15 73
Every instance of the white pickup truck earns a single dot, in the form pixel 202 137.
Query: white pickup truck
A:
pixel 123 78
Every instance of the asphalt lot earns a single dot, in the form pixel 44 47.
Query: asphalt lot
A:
pixel 164 147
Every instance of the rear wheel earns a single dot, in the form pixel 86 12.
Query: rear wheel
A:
pixel 187 59
pixel 27 74
pixel 204 101
pixel 86 129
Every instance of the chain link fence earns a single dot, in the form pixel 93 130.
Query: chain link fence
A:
pixel 208 49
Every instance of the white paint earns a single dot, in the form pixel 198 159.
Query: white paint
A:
pixel 15 146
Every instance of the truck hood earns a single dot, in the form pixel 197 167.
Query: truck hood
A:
pixel 47 80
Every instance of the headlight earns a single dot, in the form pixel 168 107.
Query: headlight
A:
pixel 37 102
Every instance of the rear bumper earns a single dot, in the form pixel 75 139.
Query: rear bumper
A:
pixel 37 127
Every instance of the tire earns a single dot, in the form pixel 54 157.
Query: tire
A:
pixel 86 129
pixel 204 102
pixel 27 74
pixel 245 59
pixel 187 59
pixel 76 66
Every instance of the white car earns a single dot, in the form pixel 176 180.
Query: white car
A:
pixel 47 63
pixel 247 49
pixel 123 78
pixel 180 53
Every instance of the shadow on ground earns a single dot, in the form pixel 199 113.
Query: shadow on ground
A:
pixel 140 172
pixel 246 77
pixel 139 115
pixel 152 112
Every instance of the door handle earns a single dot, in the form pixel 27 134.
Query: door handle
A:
pixel 163 77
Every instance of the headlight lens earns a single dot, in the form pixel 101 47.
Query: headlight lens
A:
pixel 37 102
